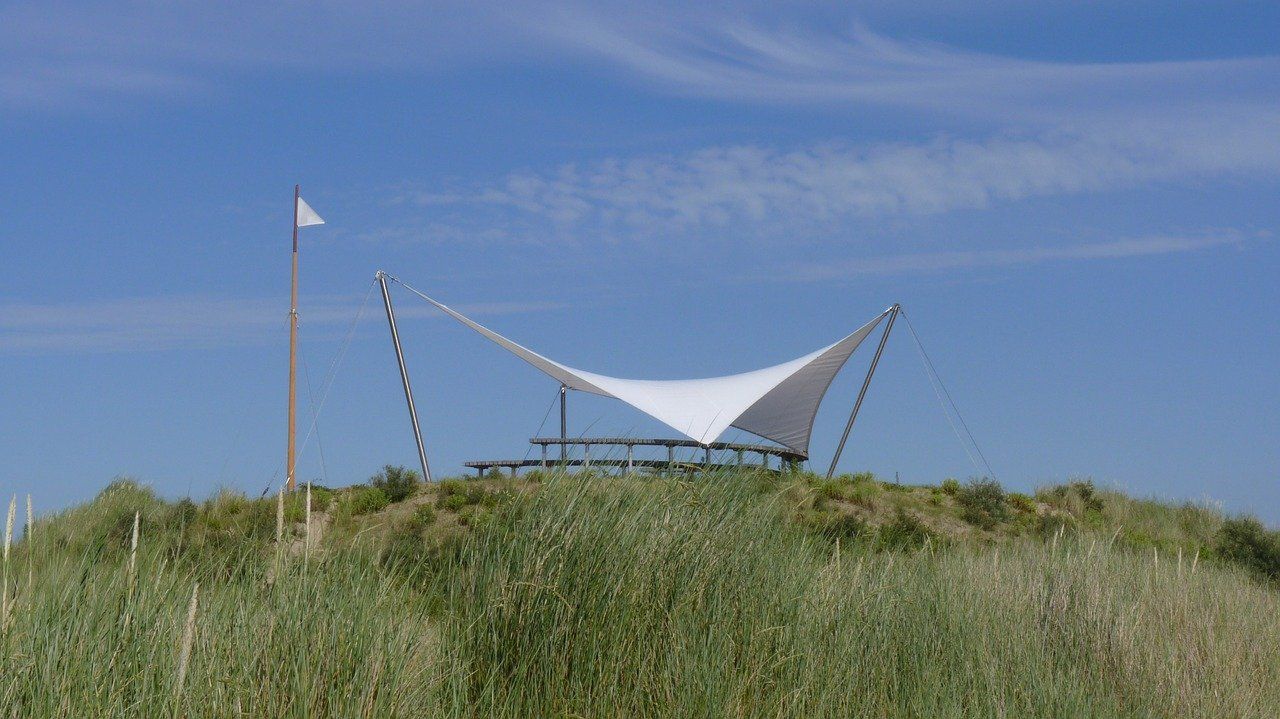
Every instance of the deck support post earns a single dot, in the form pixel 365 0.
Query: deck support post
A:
pixel 564 428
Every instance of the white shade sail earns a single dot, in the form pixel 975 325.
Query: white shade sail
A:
pixel 778 403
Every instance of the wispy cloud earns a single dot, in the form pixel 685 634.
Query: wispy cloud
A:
pixel 735 54
pixel 159 323
pixel 759 193
pixel 75 52
pixel 80 52
pixel 1021 257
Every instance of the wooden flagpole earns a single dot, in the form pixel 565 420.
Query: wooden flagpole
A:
pixel 290 455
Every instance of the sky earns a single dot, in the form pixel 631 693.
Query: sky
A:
pixel 1075 203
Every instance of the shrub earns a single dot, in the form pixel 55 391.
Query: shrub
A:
pixel 1244 541
pixel 181 514
pixel 1022 502
pixel 474 516
pixel 364 500
pixel 863 494
pixel 950 487
pixel 859 477
pixel 1088 494
pixel 425 514
pixel 1051 523
pixel 403 547
pixel 399 483
pixel 833 489
pixel 842 526
pixel 983 503
pixel 906 531
pixel 453 486
pixel 452 502
pixel 477 494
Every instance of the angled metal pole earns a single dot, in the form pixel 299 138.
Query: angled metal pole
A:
pixel 404 374
pixel 893 315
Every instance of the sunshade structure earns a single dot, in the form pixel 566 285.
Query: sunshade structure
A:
pixel 778 403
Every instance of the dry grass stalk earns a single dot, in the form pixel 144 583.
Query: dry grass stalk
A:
pixel 29 535
pixel 307 549
pixel 133 549
pixel 280 515
pixel 188 637
pixel 8 541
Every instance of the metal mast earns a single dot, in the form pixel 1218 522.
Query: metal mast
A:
pixel 404 374
pixel 893 315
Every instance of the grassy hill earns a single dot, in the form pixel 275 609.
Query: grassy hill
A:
pixel 736 594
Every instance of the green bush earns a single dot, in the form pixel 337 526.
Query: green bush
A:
pixel 842 526
pixel 863 494
pixel 950 487
pixel 983 503
pixel 477 494
pixel 1050 523
pixel 181 515
pixel 1088 494
pixel 906 531
pixel 453 502
pixel 833 489
pixel 399 483
pixel 403 547
pixel 364 500
pixel 1022 502
pixel 1244 541
pixel 474 516
pixel 453 486
pixel 425 514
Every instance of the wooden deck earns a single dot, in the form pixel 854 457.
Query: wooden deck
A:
pixel 632 463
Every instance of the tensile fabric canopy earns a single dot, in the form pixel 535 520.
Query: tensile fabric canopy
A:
pixel 778 403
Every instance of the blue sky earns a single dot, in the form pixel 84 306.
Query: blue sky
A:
pixel 1076 203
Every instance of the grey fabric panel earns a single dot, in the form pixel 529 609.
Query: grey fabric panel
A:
pixel 786 413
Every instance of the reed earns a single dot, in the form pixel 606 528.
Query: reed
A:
pixel 306 552
pixel 133 549
pixel 5 606
pixel 188 638
pixel 28 536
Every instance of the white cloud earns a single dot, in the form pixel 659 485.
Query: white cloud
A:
pixel 1020 257
pixel 733 54
pixel 159 323
pixel 72 53
pixel 774 195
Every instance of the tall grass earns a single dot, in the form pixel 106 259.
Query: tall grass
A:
pixel 620 598
pixel 697 601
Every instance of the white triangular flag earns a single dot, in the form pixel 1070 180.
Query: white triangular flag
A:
pixel 307 216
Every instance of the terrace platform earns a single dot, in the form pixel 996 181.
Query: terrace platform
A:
pixel 612 458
